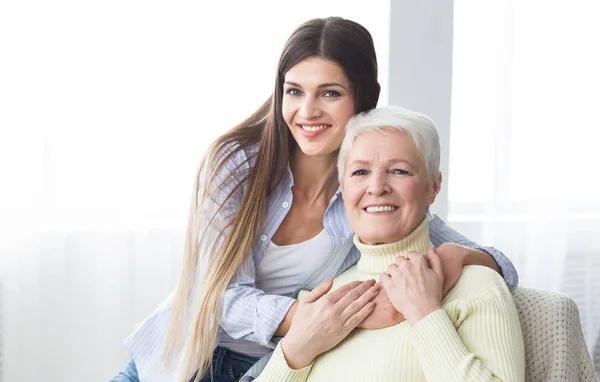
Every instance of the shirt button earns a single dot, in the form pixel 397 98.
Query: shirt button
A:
pixel 263 238
pixel 285 204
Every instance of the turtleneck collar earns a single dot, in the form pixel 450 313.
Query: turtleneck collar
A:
pixel 376 258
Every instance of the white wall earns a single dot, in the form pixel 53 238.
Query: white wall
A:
pixel 421 68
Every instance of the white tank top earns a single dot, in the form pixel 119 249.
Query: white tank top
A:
pixel 281 271
pixel 283 268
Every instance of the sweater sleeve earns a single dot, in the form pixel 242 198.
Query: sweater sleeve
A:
pixel 248 312
pixel 277 370
pixel 485 342
pixel 440 233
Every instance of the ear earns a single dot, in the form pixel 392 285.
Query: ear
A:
pixel 435 188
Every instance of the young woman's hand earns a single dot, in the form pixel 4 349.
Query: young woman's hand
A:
pixel 414 285
pixel 322 321
pixel 383 315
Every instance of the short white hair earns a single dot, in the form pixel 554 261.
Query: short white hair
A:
pixel 418 126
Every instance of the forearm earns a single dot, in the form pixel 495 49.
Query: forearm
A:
pixel 441 233
pixel 284 327
pixel 278 370
pixel 473 338
pixel 445 358
pixel 252 315
pixel 479 257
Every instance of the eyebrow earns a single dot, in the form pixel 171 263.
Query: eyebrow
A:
pixel 325 85
pixel 388 162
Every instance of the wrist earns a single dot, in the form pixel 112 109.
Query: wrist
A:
pixel 295 356
pixel 420 314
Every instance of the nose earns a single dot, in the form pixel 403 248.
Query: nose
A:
pixel 309 108
pixel 378 184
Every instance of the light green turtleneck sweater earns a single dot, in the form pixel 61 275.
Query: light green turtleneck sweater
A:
pixel 476 335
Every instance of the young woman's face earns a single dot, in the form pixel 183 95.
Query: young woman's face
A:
pixel 318 101
pixel 386 187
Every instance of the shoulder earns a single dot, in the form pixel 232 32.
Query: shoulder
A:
pixel 224 170
pixel 478 282
pixel 232 156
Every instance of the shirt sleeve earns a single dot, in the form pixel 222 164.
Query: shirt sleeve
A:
pixel 440 233
pixel 248 313
pixel 483 344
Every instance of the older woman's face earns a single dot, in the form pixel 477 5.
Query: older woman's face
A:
pixel 386 187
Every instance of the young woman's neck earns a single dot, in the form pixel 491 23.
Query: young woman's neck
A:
pixel 315 177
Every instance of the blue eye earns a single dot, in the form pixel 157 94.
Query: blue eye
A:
pixel 398 171
pixel 293 91
pixel 359 172
pixel 331 93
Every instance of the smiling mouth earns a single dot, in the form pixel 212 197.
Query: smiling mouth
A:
pixel 314 128
pixel 376 209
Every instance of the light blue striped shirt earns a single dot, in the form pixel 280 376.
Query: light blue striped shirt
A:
pixel 249 313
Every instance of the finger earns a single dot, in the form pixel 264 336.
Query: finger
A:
pixel 337 294
pixel 319 291
pixel 413 255
pixel 419 261
pixel 393 270
pixel 353 321
pixel 401 260
pixel 435 263
pixel 353 295
pixel 386 281
pixel 349 305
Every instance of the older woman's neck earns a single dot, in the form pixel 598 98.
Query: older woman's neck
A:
pixel 315 177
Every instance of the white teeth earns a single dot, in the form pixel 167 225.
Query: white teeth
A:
pixel 381 209
pixel 314 128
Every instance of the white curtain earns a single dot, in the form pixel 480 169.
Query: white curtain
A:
pixel 105 111
pixel 525 138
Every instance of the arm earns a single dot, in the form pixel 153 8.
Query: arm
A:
pixel 441 233
pixel 453 257
pixel 278 370
pixel 475 337
pixel 128 375
pixel 284 326
pixel 320 323
pixel 485 345
pixel 251 314
pixel 247 312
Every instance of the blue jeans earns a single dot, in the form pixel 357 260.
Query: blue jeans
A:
pixel 227 366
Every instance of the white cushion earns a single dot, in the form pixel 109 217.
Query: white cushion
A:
pixel 555 349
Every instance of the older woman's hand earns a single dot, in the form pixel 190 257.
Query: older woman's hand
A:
pixel 322 321
pixel 414 285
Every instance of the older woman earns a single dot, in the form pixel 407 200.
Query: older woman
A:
pixel 389 171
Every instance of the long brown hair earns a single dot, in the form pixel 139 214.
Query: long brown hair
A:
pixel 198 299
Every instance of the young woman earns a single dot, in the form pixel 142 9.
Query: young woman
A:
pixel 267 220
